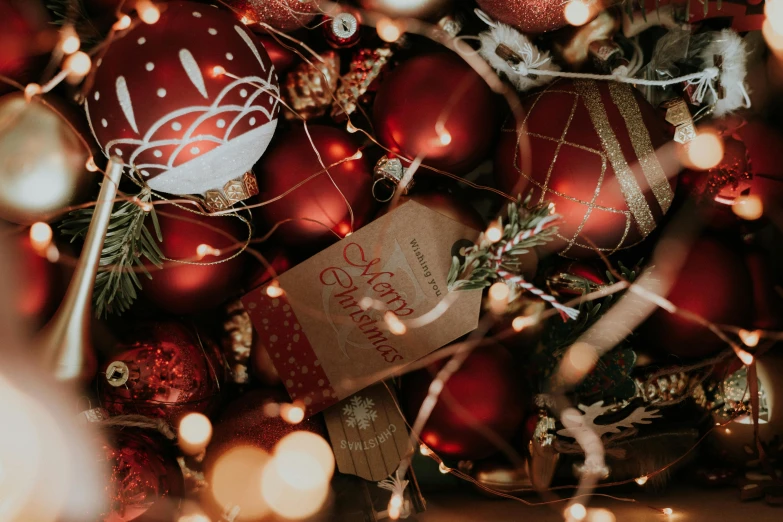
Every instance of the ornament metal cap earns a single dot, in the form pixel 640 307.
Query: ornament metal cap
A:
pixel 388 174
pixel 117 373
pixel 234 191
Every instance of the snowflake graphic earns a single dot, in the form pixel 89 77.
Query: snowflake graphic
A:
pixel 360 412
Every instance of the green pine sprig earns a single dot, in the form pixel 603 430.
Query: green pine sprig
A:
pixel 128 242
pixel 74 13
pixel 479 268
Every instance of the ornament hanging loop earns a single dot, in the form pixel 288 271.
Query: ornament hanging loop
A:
pixel 388 174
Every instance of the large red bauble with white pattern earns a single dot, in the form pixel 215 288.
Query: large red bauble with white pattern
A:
pixel 190 102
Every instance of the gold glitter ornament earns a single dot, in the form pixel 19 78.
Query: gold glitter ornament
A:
pixel 366 65
pixel 310 88
pixel 283 15
pixel 529 16
pixel 237 341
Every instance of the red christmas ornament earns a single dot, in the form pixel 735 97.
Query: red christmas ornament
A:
pixel 189 102
pixel 282 58
pixel 529 16
pixel 143 474
pixel 283 15
pixel 22 38
pixel 37 282
pixel 713 283
pixel 317 206
pixel 591 149
pixel 184 288
pixel 486 387
pixel 438 107
pixel 768 304
pixel 764 144
pixel 422 9
pixel 165 369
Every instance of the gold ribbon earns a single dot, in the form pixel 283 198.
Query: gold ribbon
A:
pixel 633 195
pixel 640 139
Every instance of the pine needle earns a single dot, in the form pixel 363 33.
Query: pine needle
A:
pixel 128 240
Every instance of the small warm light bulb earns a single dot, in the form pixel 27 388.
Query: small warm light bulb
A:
pixel 292 413
pixel 745 357
pixel 195 432
pixel 576 13
pixel 444 137
pixel 498 297
pixel 388 30
pixel 204 250
pixel 395 506
pixel 749 207
pixel 148 13
pixel 350 128
pixel 356 156
pixel 245 20
pixel 90 165
pixel 30 90
pixel 218 70
pixel 443 468
pixel 274 290
pixel 600 515
pixel 704 151
pixel 667 511
pixel 577 512
pixel 196 517
pixel 773 9
pixel 396 326
pixel 424 450
pixel 494 232
pixel 751 339
pixel 521 322
pixel 40 236
pixel 78 63
pixel 728 431
pixel 52 254
pixel 642 480
pixel 70 43
pixel 123 23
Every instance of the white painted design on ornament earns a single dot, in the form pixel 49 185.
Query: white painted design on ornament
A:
pixel 97 96
pixel 104 123
pixel 125 102
pixel 221 124
pixel 252 121
pixel 250 44
pixel 196 14
pixel 118 152
pixel 229 56
pixel 99 62
pixel 212 31
pixel 195 150
pixel 161 93
pixel 359 412
pixel 158 154
pixel 145 173
pixel 176 126
pixel 141 41
pixel 193 71
pixel 150 66
pixel 243 93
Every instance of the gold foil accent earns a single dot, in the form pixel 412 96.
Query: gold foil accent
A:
pixel 640 139
pixel 233 191
pixel 678 114
pixel 633 195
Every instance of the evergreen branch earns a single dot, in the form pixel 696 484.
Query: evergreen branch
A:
pixel 128 239
pixel 74 13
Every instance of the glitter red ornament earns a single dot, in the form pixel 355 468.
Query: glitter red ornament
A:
pixel 486 387
pixel 143 475
pixel 189 102
pixel 713 283
pixel 203 283
pixel 529 16
pixel 318 209
pixel 163 370
pixel 283 15
pixel 436 106
pixel 592 152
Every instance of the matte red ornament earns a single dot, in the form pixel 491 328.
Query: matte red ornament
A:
pixel 438 107
pixel 486 387
pixel 529 16
pixel 283 15
pixel 590 151
pixel 189 102
pixel 713 283
pixel 282 58
pixel 185 288
pixel 22 38
pixel 37 283
pixel 317 209
pixel 764 144
pixel 164 369
pixel 143 474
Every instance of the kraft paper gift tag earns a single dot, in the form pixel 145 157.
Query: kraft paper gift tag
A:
pixel 366 307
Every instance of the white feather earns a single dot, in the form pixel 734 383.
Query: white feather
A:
pixel 532 57
pixel 731 48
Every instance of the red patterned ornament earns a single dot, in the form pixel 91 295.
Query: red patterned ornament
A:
pixel 317 209
pixel 164 370
pixel 143 475
pixel 283 15
pixel 529 16
pixel 436 106
pixel 185 288
pixel 486 387
pixel 422 9
pixel 190 103
pixel 591 153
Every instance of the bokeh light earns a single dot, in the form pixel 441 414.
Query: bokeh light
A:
pixel 576 12
pixel 236 480
pixel 195 431
pixel 704 151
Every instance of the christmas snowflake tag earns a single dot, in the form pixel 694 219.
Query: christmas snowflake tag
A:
pixel 369 436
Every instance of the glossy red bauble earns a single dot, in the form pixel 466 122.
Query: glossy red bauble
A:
pixel 283 15
pixel 189 102
pixel 37 282
pixel 529 16
pixel 590 149
pixel 163 370
pixel 486 387
pixel 713 283
pixel 318 208
pixel 436 106
pixel 22 38
pixel 143 475
pixel 184 288
pixel 282 58
pixel 764 144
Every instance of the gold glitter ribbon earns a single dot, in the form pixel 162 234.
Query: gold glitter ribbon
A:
pixel 633 195
pixel 640 139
